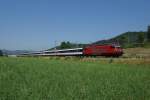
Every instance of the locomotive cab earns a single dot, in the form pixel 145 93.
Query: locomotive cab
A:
pixel 117 50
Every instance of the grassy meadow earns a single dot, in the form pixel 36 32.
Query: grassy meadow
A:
pixel 72 79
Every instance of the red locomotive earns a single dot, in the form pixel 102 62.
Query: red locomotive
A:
pixel 103 50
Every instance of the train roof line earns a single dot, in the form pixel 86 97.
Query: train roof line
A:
pixel 40 52
pixel 63 50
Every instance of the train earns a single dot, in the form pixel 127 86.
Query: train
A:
pixel 90 50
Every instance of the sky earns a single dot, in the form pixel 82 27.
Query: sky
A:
pixel 38 24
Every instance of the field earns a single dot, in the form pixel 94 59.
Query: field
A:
pixel 73 79
pixel 137 52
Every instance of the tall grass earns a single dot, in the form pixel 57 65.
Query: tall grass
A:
pixel 49 79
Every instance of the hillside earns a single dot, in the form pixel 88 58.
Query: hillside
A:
pixel 127 39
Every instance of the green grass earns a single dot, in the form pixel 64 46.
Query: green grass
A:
pixel 48 79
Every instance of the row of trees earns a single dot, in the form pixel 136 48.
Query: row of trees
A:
pixel 68 44
pixel 65 45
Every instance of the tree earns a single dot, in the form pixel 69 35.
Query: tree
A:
pixel 148 34
pixel 65 45
pixel 1 53
pixel 140 38
pixel 123 40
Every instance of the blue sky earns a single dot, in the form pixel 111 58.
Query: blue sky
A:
pixel 36 24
